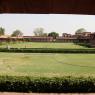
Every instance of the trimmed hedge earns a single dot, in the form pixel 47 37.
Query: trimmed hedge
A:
pixel 46 50
pixel 43 84
pixel 87 45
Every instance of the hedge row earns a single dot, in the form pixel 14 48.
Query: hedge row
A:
pixel 55 85
pixel 46 50
pixel 87 45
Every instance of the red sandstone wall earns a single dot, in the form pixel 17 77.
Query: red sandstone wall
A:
pixel 48 6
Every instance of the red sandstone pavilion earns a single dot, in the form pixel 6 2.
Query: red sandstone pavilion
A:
pixel 84 37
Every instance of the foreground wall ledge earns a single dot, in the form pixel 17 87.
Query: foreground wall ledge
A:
pixel 48 6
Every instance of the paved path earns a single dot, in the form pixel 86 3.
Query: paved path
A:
pixel 12 93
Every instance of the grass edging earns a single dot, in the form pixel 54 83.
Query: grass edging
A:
pixel 45 84
pixel 47 50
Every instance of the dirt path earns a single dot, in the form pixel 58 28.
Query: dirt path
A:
pixel 12 93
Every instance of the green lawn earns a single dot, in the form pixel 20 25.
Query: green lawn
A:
pixel 41 45
pixel 37 64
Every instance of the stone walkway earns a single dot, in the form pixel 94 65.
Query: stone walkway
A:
pixel 12 93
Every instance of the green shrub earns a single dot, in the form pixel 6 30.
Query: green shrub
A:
pixel 87 45
pixel 39 84
pixel 46 50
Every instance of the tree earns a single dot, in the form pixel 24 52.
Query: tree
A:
pixel 39 32
pixel 2 31
pixel 81 30
pixel 79 34
pixel 53 34
pixel 17 33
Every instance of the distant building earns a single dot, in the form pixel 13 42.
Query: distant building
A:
pixel 92 40
pixel 66 39
pixel 83 34
pixel 66 35
pixel 79 37
pixel 83 37
pixel 38 39
pixel 86 34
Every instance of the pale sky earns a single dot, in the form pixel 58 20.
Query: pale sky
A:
pixel 61 23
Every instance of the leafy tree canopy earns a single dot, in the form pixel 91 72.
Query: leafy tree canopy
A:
pixel 81 30
pixel 17 33
pixel 39 32
pixel 2 31
pixel 53 34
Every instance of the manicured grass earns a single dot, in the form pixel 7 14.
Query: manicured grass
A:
pixel 41 45
pixel 48 65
